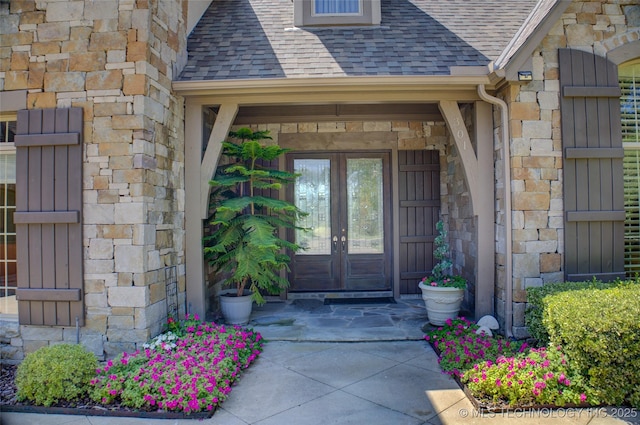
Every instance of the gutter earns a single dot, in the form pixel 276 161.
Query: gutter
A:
pixel 322 84
pixel 504 111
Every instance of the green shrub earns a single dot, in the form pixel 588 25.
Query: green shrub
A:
pixel 54 373
pixel 599 332
pixel 535 306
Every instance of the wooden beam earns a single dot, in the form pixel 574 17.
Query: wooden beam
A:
pixel 219 133
pixel 455 122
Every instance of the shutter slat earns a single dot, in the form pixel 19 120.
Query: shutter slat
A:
pixel 593 153
pixel 46 217
pixel 596 215
pixel 26 140
pixel 605 277
pixel 30 294
pixel 591 91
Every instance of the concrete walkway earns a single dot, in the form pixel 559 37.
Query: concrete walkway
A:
pixel 301 379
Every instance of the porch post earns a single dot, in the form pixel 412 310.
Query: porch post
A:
pixel 194 261
pixel 485 211
pixel 481 190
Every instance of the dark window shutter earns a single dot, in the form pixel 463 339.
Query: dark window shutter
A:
pixel 48 217
pixel 593 180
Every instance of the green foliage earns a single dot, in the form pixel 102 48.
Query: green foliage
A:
pixel 534 377
pixel 246 242
pixel 535 305
pixel 461 348
pixel 190 373
pixel 55 373
pixel 441 273
pixel 598 330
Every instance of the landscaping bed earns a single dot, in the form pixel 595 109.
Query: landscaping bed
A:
pixel 584 354
pixel 499 375
pixel 184 373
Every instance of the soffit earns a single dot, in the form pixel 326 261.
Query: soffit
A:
pixel 337 112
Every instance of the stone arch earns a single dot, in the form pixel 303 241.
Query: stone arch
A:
pixel 623 47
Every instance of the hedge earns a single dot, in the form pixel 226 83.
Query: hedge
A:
pixel 599 331
pixel 535 306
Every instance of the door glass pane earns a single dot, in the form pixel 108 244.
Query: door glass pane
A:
pixel 365 206
pixel 312 195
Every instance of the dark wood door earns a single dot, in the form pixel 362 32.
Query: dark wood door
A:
pixel 419 195
pixel 348 247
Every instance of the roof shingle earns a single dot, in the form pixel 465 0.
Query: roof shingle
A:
pixel 242 39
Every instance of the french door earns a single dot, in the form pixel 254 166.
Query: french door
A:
pixel 348 244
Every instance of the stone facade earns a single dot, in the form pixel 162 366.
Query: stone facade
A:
pixel 536 146
pixel 115 59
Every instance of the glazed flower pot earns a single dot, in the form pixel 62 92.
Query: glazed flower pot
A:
pixel 442 303
pixel 236 310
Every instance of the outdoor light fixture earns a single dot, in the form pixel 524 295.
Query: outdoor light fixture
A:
pixel 525 76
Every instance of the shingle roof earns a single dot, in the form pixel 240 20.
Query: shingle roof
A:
pixel 255 39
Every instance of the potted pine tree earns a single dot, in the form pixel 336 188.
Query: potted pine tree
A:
pixel 442 292
pixel 245 242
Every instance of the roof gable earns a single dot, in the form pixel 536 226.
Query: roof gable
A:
pixel 255 39
pixel 539 22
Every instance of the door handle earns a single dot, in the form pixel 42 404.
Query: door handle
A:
pixel 335 243
pixel 344 240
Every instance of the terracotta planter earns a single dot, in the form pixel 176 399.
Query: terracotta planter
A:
pixel 236 310
pixel 441 303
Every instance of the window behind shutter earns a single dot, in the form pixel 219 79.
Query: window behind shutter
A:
pixel 593 154
pixel 48 216
pixel 629 79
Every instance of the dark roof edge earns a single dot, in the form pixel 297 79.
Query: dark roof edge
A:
pixel 529 37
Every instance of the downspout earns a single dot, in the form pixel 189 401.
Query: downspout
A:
pixel 507 205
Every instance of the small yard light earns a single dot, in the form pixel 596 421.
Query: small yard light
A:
pixel 525 76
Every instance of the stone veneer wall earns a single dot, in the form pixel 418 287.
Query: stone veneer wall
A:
pixel 115 59
pixel 457 211
pixel 536 145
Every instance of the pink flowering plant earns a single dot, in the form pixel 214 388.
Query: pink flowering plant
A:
pixel 461 348
pixel 191 373
pixel 502 372
pixel 537 377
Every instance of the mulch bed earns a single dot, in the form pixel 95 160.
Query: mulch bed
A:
pixel 86 407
